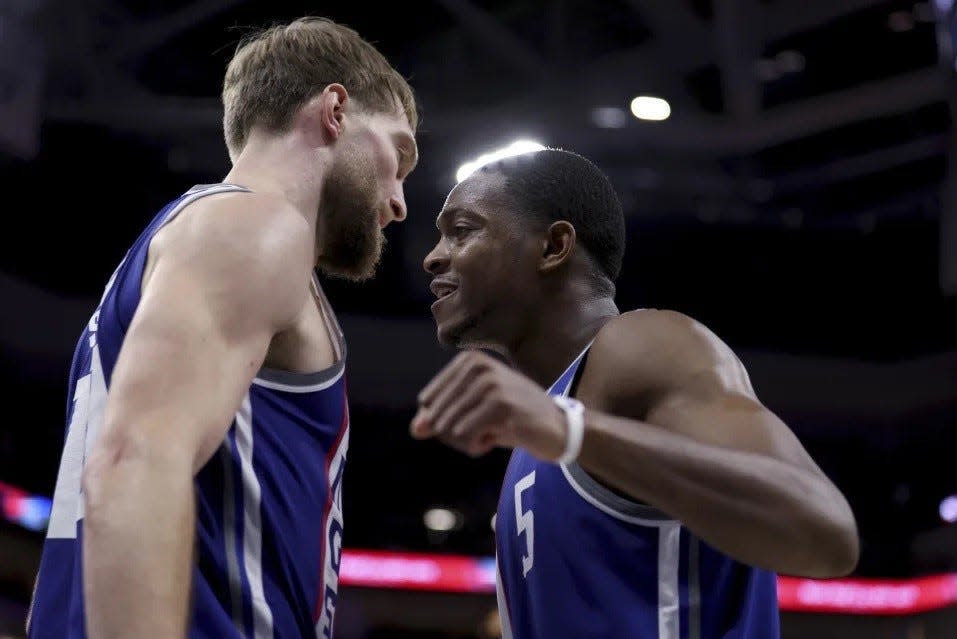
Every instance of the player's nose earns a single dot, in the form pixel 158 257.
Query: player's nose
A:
pixel 437 260
pixel 398 207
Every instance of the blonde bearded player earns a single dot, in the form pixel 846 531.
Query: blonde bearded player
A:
pixel 209 420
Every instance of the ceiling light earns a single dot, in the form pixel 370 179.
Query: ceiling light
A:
pixel 948 509
pixel 441 519
pixel 646 107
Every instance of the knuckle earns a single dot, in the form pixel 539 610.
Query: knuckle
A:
pixel 478 360
pixel 507 423
pixel 486 384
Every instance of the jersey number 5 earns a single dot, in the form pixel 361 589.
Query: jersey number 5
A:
pixel 525 521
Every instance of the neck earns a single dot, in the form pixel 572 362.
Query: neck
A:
pixel 559 333
pixel 281 166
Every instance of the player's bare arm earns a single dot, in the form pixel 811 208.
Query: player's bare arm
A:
pixel 674 422
pixel 212 300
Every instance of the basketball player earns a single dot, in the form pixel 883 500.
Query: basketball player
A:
pixel 650 494
pixel 199 491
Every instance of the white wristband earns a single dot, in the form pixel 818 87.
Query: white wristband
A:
pixel 575 419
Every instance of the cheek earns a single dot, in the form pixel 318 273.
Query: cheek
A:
pixel 387 166
pixel 493 267
pixel 475 255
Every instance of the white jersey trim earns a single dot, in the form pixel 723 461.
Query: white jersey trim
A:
pixel 304 388
pixel 252 523
pixel 229 536
pixel 332 540
pixel 669 604
pixel 504 619
pixel 608 510
pixel 196 193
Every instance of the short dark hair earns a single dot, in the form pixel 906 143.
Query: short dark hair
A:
pixel 555 184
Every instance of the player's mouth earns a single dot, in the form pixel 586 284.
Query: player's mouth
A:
pixel 442 289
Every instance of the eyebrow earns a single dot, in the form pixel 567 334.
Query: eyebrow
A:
pixel 455 210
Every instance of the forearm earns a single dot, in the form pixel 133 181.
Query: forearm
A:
pixel 137 547
pixel 757 509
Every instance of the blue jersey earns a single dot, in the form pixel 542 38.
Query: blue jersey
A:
pixel 577 560
pixel 269 501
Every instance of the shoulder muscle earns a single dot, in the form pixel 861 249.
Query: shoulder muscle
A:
pixel 247 255
pixel 641 357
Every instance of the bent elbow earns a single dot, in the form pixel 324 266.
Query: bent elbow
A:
pixel 838 550
pixel 822 544
pixel 846 552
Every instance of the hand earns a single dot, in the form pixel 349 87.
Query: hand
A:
pixel 477 403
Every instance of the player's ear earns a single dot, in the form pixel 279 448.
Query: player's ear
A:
pixel 323 115
pixel 557 246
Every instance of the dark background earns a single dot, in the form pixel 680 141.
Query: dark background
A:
pixel 797 202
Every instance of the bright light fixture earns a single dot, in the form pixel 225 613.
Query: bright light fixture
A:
pixel 646 107
pixel 440 519
pixel 515 148
pixel 948 509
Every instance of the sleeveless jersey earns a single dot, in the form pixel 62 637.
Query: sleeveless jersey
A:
pixel 577 560
pixel 268 502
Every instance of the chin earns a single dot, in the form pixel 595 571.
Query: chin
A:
pixel 465 335
pixel 346 273
pixel 446 337
pixel 455 334
pixel 351 272
pixel 356 269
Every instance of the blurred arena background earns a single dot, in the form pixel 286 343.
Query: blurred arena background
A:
pixel 799 199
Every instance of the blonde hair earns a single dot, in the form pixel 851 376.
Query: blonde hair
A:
pixel 277 70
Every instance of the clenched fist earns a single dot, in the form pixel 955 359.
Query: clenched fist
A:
pixel 477 403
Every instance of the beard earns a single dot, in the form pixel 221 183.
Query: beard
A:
pixel 348 233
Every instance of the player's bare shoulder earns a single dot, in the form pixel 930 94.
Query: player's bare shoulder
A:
pixel 254 248
pixel 642 355
pixel 665 340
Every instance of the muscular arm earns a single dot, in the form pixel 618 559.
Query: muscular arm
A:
pixel 705 450
pixel 225 279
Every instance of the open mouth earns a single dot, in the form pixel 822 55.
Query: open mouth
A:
pixel 441 289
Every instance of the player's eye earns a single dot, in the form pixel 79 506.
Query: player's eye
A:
pixel 460 231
